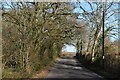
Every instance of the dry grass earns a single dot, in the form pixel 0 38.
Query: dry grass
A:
pixel 41 74
pixel 46 70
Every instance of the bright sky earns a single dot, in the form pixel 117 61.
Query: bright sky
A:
pixel 86 6
pixel 69 48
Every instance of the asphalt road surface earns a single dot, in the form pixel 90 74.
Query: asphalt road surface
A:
pixel 68 67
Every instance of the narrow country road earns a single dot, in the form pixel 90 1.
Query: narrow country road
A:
pixel 68 67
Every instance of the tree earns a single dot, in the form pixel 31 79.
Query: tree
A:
pixel 94 18
pixel 38 28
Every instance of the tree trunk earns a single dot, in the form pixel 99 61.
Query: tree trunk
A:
pixel 78 51
pixel 59 51
pixel 28 70
pixel 94 45
pixel 51 51
pixel 81 47
pixel 88 45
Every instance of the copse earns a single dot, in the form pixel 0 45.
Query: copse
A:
pixel 34 32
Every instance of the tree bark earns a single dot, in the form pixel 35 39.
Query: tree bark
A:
pixel 94 44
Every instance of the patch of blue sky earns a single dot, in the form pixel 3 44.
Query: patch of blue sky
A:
pixel 69 48
pixel 88 8
pixel 112 21
pixel 85 5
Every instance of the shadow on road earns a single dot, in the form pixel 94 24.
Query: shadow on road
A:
pixel 68 67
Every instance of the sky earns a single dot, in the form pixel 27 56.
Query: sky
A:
pixel 86 6
pixel 69 48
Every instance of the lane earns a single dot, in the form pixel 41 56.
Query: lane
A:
pixel 68 67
